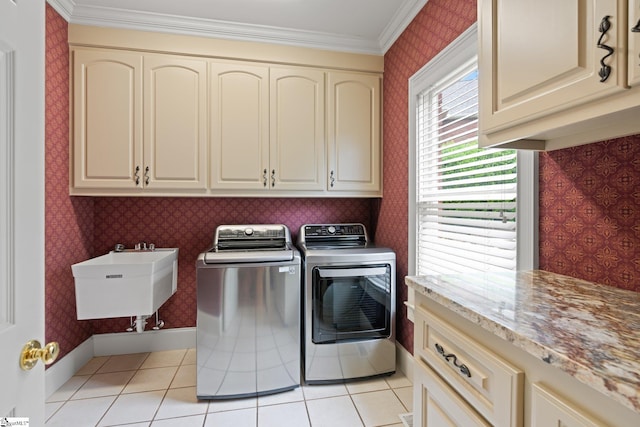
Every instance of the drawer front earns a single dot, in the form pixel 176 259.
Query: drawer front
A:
pixel 491 385
pixel 435 404
pixel 549 409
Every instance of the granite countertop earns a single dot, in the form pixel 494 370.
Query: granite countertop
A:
pixel 590 331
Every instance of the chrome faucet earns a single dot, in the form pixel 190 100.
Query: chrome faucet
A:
pixel 142 246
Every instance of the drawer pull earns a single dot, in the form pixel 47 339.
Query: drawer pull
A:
pixel 605 69
pixel 463 368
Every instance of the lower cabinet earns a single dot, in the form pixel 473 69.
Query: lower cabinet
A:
pixel 479 378
pixel 466 376
pixel 549 409
pixel 435 404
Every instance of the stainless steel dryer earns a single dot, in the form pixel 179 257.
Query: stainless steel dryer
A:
pixel 248 319
pixel 349 300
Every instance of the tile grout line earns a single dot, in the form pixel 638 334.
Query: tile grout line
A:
pixel 181 363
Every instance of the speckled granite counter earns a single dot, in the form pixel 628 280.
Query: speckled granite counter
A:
pixel 588 330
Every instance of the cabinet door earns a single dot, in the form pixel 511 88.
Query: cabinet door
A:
pixel 297 118
pixel 491 385
pixel 107 118
pixel 548 409
pixel 354 132
pixel 634 42
pixel 540 57
pixel 239 105
pixel 436 405
pixel 175 123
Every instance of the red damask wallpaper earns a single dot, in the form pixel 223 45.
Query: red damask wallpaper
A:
pixel 78 228
pixel 189 224
pixel 437 25
pixel 589 201
pixel 68 222
pixel 590 212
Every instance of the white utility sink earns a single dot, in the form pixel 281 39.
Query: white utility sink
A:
pixel 129 283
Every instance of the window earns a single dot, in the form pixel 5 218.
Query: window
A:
pixel 466 196
pixel 470 209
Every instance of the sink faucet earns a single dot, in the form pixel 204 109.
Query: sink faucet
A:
pixel 142 246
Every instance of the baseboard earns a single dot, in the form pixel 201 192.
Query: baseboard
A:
pixel 113 344
pixel 60 372
pixel 134 342
pixel 404 361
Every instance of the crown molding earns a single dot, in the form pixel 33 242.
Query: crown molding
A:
pixel 146 21
pixel 63 7
pixel 400 21
pixel 126 19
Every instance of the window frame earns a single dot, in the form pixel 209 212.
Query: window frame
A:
pixel 459 52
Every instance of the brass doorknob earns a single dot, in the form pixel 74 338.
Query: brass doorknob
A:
pixel 32 352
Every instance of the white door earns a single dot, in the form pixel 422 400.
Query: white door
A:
pixel 22 25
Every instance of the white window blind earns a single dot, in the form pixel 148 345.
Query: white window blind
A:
pixel 466 196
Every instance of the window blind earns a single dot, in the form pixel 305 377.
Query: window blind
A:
pixel 466 196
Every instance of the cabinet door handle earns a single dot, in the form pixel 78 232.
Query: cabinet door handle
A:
pixel 636 29
pixel 273 178
pixel 332 179
pixel 605 70
pixel 146 175
pixel 448 357
pixel 264 178
pixel 136 175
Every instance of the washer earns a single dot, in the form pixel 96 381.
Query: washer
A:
pixel 248 319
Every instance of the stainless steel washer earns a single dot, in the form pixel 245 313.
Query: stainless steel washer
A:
pixel 248 319
pixel 349 303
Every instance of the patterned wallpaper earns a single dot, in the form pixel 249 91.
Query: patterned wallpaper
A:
pixel 189 224
pixel 78 228
pixel 437 25
pixel 588 204
pixel 590 212
pixel 68 222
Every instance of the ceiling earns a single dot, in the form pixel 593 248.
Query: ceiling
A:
pixel 363 26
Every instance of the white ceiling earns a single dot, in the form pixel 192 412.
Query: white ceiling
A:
pixel 364 26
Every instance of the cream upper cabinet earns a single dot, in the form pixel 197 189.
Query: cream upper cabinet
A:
pixel 542 56
pixel 556 74
pixel 163 114
pixel 297 120
pixel 634 42
pixel 107 117
pixel 267 127
pixel 175 123
pixel 353 125
pixel 239 105
pixel 139 122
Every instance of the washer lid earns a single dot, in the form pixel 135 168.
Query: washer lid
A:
pixel 248 256
pixel 250 243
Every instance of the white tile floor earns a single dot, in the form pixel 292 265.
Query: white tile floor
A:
pixel 158 389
